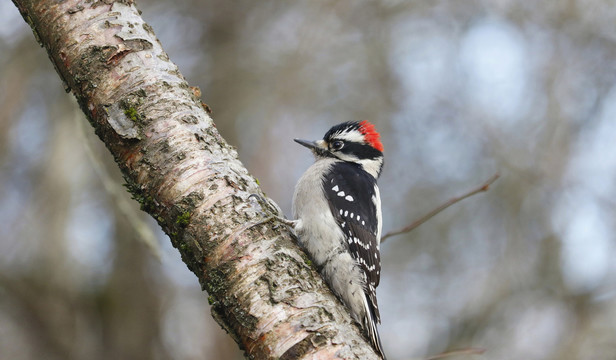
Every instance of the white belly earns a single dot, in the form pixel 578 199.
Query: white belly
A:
pixel 323 240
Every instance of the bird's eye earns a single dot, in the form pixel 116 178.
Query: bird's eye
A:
pixel 337 145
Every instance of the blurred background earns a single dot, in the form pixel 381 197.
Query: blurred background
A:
pixel 459 90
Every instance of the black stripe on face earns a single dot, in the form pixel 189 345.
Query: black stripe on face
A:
pixel 361 151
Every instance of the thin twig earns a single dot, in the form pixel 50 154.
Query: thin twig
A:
pixel 469 351
pixel 483 187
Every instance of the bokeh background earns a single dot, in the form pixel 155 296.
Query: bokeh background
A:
pixel 459 90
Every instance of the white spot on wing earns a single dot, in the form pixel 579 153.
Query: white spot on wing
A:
pixel 341 193
pixel 335 188
pixel 348 198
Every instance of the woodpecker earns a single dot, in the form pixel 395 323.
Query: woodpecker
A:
pixel 337 208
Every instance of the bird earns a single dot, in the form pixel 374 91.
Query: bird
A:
pixel 338 220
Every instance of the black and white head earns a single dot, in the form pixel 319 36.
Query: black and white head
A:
pixel 352 141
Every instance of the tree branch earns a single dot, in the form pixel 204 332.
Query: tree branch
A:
pixel 261 287
pixel 483 187
pixel 469 351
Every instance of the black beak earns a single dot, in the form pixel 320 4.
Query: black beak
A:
pixel 315 146
pixel 309 144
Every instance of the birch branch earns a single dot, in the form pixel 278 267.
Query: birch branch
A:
pixel 262 289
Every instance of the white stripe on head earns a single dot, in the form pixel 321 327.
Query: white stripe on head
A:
pixel 350 135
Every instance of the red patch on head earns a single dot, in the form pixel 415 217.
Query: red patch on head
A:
pixel 372 137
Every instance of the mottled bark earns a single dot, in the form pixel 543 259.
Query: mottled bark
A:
pixel 262 289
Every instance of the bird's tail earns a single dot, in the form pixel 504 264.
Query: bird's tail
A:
pixel 369 325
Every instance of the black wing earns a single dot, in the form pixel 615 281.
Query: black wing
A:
pixel 351 194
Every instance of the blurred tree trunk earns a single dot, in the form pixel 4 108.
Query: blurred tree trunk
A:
pixel 261 288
